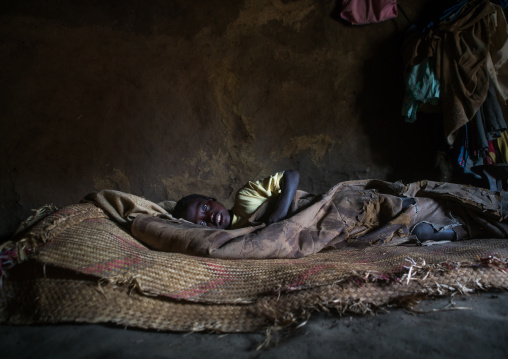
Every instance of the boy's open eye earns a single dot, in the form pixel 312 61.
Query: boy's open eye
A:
pixel 204 207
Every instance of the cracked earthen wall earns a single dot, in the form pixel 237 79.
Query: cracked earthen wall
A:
pixel 162 98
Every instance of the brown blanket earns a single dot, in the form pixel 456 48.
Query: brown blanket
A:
pixel 354 213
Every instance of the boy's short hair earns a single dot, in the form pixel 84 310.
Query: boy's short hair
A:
pixel 183 202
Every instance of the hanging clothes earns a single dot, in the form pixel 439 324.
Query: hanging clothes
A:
pixel 474 140
pixel 487 125
pixel 468 46
pixel 466 156
pixel 492 116
pixel 462 147
pixel 363 12
pixel 422 86
pixel 502 146
pixel 491 159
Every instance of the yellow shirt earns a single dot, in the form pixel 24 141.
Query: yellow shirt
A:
pixel 251 196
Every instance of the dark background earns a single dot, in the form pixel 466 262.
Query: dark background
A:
pixel 164 98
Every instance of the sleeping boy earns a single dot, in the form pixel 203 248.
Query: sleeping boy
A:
pixel 206 211
pixel 281 188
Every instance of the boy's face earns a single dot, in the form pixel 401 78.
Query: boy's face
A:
pixel 207 212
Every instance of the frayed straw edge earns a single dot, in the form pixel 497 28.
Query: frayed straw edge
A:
pixel 416 271
pixel 40 213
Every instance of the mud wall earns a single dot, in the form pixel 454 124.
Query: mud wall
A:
pixel 163 98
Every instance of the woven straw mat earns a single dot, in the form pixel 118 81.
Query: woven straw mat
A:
pixel 82 267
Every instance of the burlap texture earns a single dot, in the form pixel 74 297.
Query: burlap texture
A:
pixel 81 266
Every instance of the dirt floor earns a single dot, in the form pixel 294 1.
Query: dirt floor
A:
pixel 472 326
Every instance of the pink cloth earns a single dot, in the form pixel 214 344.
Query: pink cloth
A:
pixel 362 12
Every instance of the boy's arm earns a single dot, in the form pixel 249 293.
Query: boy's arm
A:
pixel 288 186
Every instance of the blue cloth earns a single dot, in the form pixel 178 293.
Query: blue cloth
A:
pixel 463 148
pixel 422 86
pixel 449 14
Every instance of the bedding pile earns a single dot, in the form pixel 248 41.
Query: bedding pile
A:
pixel 350 214
pixel 81 264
